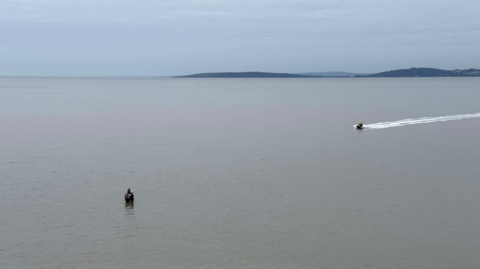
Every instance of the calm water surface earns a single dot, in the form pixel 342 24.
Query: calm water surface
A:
pixel 238 173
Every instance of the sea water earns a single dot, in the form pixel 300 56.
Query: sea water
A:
pixel 239 173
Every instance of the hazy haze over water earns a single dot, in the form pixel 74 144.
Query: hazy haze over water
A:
pixel 238 173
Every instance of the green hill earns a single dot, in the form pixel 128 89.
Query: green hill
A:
pixel 427 72
pixel 243 75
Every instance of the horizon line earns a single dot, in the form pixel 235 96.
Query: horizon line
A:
pixel 177 76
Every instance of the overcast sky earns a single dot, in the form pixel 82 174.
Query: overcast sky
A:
pixel 175 37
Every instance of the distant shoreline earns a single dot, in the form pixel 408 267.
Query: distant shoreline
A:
pixel 399 73
pixel 412 72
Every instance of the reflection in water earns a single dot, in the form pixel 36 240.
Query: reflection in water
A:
pixel 129 229
pixel 129 209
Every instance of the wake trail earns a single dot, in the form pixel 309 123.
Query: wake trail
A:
pixel 399 123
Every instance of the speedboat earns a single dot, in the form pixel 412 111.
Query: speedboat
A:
pixel 359 126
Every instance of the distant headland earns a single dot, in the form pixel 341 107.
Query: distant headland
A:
pixel 427 72
pixel 242 75
pixel 412 72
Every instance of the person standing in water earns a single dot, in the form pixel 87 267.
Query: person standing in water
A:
pixel 129 196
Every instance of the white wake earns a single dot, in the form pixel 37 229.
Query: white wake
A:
pixel 399 123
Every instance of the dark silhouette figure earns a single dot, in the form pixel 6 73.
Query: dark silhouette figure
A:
pixel 129 196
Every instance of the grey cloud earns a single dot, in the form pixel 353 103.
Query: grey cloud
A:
pixel 182 36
